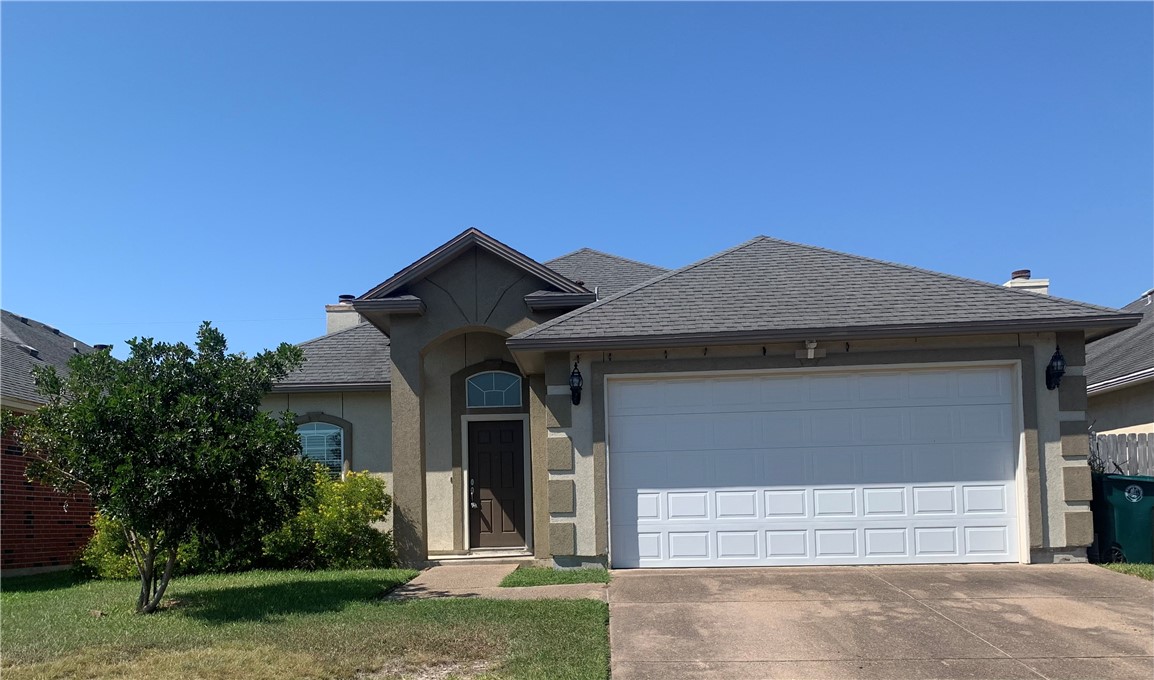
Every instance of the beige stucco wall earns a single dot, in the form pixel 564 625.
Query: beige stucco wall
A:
pixel 476 299
pixel 370 415
pixel 1055 454
pixel 443 475
pixel 1123 411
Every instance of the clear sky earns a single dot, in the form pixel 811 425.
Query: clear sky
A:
pixel 169 163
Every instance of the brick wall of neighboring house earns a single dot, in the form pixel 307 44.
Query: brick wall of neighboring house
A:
pixel 40 529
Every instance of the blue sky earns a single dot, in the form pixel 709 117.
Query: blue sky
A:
pixel 246 163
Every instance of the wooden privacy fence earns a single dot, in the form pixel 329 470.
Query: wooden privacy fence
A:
pixel 1123 454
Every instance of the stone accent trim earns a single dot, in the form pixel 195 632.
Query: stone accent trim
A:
pixel 1079 529
pixel 560 454
pixel 1073 348
pixel 560 408
pixel 563 538
pixel 562 496
pixel 1076 483
pixel 1072 393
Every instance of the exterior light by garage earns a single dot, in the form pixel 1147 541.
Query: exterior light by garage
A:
pixel 575 383
pixel 1055 370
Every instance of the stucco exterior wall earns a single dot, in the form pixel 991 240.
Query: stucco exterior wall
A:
pixel 371 416
pixel 476 299
pixel 443 481
pixel 1057 508
pixel 1123 411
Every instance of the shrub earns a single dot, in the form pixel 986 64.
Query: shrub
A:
pixel 336 530
pixel 106 555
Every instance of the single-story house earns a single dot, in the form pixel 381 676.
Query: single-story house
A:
pixel 40 529
pixel 1120 376
pixel 773 404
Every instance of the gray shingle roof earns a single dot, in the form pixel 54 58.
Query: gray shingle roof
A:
pixel 52 348
pixel 608 273
pixel 1125 352
pixel 766 289
pixel 354 356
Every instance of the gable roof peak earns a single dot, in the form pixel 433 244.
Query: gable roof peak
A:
pixel 471 237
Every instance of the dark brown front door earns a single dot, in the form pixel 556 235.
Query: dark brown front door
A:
pixel 496 484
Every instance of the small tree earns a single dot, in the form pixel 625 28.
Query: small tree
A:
pixel 171 443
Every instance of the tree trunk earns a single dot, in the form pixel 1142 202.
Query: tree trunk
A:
pixel 159 586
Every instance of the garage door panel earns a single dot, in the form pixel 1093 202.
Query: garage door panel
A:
pixel 852 468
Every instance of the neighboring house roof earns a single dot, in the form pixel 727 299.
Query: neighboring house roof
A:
pixel 1125 357
pixel 468 239
pixel 607 273
pixel 356 358
pixel 766 289
pixel 26 343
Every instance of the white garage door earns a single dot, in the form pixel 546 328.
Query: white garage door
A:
pixel 865 467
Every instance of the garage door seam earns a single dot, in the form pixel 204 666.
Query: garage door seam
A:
pixel 935 611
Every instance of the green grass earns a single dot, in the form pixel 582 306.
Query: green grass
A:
pixel 286 625
pixel 544 576
pixel 1145 571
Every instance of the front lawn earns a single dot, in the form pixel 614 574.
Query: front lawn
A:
pixel 1145 571
pixel 284 625
pixel 544 576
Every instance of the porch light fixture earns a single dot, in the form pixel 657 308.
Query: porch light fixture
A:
pixel 1055 370
pixel 575 383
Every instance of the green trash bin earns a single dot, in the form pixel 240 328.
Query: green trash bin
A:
pixel 1123 518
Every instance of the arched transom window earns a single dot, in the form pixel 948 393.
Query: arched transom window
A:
pixel 324 443
pixel 493 389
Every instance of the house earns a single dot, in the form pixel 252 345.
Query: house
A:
pixel 773 404
pixel 40 529
pixel 1120 376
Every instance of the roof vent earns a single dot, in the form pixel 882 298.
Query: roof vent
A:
pixel 54 330
pixel 579 282
pixel 346 299
pixel 31 350
pixel 99 348
pixel 75 346
pixel 1020 274
pixel 23 319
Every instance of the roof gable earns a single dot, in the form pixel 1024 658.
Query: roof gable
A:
pixel 608 274
pixel 467 239
pixel 768 289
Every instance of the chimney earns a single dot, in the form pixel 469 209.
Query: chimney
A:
pixel 340 316
pixel 1020 280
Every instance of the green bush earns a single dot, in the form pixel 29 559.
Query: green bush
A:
pixel 106 555
pixel 336 530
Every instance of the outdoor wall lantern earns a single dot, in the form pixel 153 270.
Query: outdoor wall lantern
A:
pixel 575 383
pixel 1055 370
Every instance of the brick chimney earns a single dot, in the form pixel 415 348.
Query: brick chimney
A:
pixel 1021 280
pixel 341 315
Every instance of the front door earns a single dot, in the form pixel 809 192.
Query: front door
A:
pixel 496 484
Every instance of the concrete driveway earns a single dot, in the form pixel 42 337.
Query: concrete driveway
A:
pixel 972 621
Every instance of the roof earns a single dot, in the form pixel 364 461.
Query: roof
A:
pixel 356 357
pixel 607 273
pixel 767 289
pixel 1126 353
pixel 25 343
pixel 469 238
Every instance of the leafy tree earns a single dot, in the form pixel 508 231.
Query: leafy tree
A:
pixel 171 443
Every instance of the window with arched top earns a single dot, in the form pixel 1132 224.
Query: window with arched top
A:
pixel 493 389
pixel 324 443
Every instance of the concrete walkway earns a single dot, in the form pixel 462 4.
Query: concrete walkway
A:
pixel 484 580
pixel 972 621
